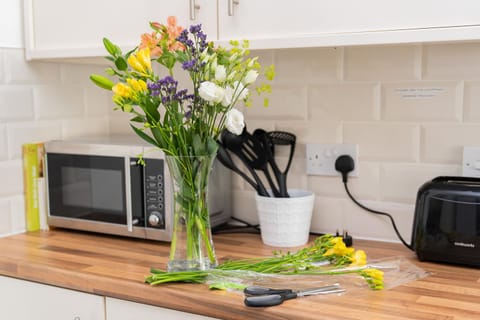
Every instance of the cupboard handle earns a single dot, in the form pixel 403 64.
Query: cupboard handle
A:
pixel 230 6
pixel 193 7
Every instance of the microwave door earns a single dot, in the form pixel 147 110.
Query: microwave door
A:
pixel 87 188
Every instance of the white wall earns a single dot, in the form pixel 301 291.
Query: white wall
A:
pixel 38 101
pixel 410 108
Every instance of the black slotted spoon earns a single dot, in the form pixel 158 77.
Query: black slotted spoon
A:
pixel 282 138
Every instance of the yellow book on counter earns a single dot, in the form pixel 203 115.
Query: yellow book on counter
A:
pixel 33 169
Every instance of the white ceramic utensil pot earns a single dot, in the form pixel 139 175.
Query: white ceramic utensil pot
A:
pixel 285 222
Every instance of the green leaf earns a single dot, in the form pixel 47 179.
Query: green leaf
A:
pixel 143 135
pixel 168 60
pixel 140 119
pixel 102 81
pixel 111 48
pixel 121 63
pixel 150 108
pixel 198 146
pixel 110 71
pixel 212 146
pixel 160 141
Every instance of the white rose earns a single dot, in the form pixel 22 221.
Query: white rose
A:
pixel 220 73
pixel 240 90
pixel 210 92
pixel 234 122
pixel 250 77
pixel 227 97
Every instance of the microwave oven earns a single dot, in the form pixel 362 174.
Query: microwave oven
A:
pixel 96 184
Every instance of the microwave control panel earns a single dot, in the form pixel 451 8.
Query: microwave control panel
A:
pixel 154 182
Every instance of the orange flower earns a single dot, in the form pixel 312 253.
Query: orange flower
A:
pixel 173 31
pixel 151 41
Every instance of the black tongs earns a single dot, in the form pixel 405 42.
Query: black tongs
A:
pixel 267 297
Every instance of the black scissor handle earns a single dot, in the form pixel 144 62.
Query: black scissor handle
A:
pixel 268 300
pixel 261 291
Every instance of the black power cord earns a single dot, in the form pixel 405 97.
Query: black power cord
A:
pixel 345 164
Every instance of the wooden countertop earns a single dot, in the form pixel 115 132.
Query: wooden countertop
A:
pixel 115 267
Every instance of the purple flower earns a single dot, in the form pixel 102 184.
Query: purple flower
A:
pixel 166 90
pixel 189 65
pixel 195 28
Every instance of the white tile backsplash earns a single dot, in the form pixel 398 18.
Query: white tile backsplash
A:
pixel 307 65
pixel 443 142
pixel 323 95
pixel 20 71
pixel 58 102
pixel 2 67
pixel 25 132
pixel 84 127
pixel 12 178
pixel 383 63
pixel 344 102
pixel 3 143
pixel 471 101
pixel 287 102
pixel 451 61
pixel 16 103
pixel 422 101
pixel 384 141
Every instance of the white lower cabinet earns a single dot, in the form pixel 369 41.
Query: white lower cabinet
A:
pixel 125 310
pixel 26 300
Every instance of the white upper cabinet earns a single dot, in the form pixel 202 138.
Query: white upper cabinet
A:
pixel 70 29
pixel 308 23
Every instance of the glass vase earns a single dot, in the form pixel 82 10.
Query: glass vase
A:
pixel 191 246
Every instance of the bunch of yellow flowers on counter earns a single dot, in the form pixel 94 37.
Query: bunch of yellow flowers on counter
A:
pixel 328 255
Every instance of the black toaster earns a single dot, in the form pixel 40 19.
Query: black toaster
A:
pixel 446 225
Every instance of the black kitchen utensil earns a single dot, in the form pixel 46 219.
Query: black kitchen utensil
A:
pixel 224 157
pixel 254 147
pixel 267 297
pixel 235 143
pixel 285 139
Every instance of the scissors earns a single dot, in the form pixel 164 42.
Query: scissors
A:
pixel 266 297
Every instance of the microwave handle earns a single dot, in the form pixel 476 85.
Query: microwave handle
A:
pixel 128 194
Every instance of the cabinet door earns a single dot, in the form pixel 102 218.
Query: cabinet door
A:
pixel 25 300
pixel 126 310
pixel 272 23
pixel 69 29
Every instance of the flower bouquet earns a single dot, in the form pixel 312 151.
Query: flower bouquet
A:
pixel 184 122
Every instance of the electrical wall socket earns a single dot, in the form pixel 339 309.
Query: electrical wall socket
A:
pixel 471 162
pixel 321 158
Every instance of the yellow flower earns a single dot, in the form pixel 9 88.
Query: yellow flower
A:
pixel 359 258
pixel 374 278
pixel 122 90
pixel 339 248
pixel 143 56
pixel 137 85
pixel 141 61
